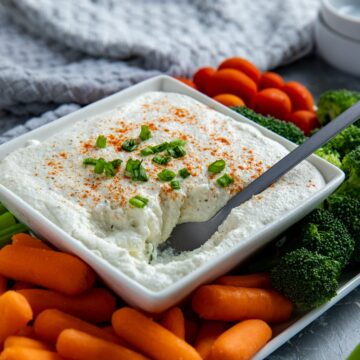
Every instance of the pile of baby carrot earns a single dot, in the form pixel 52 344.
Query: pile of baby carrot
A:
pixel 238 82
pixel 53 306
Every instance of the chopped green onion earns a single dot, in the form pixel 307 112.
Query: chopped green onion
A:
pixel 184 173
pixel 166 175
pixel 6 220
pixel 145 133
pixel 178 142
pixel 138 201
pixel 109 169
pixel 89 161
pixel 129 145
pixel 2 209
pixel 100 166
pixel 101 142
pixel 175 184
pixel 217 166
pixel 225 180
pixel 135 170
pixel 161 160
pixel 160 147
pixel 116 163
pixel 147 151
pixel 176 151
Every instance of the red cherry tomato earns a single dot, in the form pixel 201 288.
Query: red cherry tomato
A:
pixel 272 102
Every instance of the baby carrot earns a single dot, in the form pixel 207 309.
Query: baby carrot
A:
pixel 301 98
pixel 3 284
pixel 260 280
pixel 186 81
pixel 241 342
pixel 174 321
pixel 21 285
pixel 95 305
pixel 151 338
pixel 15 312
pixel 229 100
pixel 28 240
pixel 191 330
pixel 208 333
pixel 54 270
pixel 24 342
pixel 19 353
pixel 76 345
pixel 27 331
pixel 50 323
pixel 230 303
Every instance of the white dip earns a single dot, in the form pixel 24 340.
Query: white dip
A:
pixel 95 209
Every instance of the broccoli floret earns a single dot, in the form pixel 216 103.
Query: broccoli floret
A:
pixel 332 103
pixel 306 278
pixel 351 166
pixel 283 128
pixel 323 233
pixel 328 153
pixel 347 209
pixel 346 141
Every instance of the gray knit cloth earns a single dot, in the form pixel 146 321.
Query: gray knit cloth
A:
pixel 57 55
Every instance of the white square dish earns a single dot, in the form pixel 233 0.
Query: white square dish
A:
pixel 131 291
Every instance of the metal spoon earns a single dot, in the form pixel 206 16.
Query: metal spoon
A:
pixel 189 236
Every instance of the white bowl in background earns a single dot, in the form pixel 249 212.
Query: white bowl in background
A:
pixel 343 16
pixel 128 289
pixel 338 50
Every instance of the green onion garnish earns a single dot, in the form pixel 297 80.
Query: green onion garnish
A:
pixel 129 145
pixel 166 175
pixel 147 151
pixel 225 180
pixel 178 142
pixel 160 147
pixel 101 142
pixel 176 152
pixel 138 201
pixel 161 160
pixel 135 170
pixel 89 161
pixel 184 173
pixel 116 163
pixel 145 133
pixel 175 184
pixel 100 166
pixel 217 166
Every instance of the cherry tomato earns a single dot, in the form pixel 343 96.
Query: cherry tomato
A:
pixel 242 65
pixel 270 79
pixel 272 102
pixel 202 76
pixel 300 96
pixel 305 120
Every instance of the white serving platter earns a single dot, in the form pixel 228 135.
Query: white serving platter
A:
pixel 131 291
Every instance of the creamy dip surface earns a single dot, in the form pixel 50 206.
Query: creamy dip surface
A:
pixel 95 209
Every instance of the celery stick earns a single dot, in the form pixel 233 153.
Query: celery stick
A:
pixel 5 235
pixel 2 209
pixel 6 220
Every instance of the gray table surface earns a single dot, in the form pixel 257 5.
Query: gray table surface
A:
pixel 337 332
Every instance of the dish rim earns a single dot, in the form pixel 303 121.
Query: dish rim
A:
pixel 151 298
